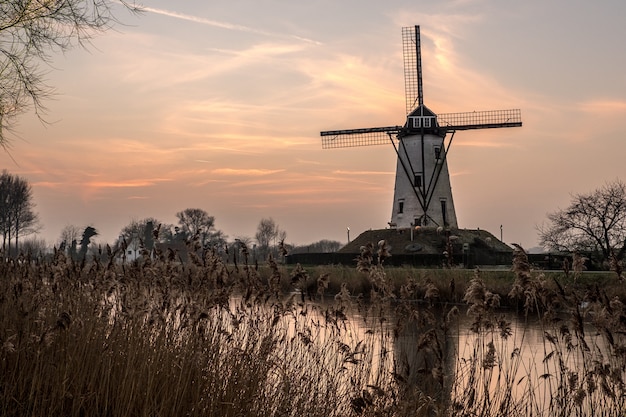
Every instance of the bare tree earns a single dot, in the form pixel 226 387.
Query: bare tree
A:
pixel 144 231
pixel 267 235
pixel 593 223
pixel 69 234
pixel 17 216
pixel 30 32
pixel 242 248
pixel 34 246
pixel 197 223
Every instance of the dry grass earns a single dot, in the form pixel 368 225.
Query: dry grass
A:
pixel 579 371
pixel 161 337
pixel 165 338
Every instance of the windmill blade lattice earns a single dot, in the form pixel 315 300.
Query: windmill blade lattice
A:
pixel 359 137
pixel 480 119
pixel 411 51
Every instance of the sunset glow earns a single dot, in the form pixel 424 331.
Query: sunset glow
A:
pixel 219 106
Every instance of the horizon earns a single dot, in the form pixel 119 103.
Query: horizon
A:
pixel 222 111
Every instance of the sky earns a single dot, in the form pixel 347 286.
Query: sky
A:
pixel 218 105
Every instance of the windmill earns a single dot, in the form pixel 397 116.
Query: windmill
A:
pixel 422 194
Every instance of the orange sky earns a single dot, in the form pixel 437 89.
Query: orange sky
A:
pixel 219 107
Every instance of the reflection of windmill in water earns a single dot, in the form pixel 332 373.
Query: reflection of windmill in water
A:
pixel 422 195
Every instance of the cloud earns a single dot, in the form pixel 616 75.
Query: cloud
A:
pixel 496 143
pixel 48 184
pixel 605 107
pixel 342 172
pixel 224 25
pixel 307 162
pixel 125 184
pixel 245 172
pixel 353 91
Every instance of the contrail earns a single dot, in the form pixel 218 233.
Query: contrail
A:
pixel 201 20
pixel 222 25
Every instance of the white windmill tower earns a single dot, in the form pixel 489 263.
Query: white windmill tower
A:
pixel 422 194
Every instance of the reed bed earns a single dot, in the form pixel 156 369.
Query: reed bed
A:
pixel 200 337
pixel 579 369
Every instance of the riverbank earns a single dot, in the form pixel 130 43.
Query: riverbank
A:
pixel 450 284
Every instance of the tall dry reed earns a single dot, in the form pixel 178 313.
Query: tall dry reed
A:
pixel 167 336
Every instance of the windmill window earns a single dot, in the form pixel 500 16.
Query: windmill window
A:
pixel 400 206
pixel 417 180
pixel 444 212
pixel 437 152
pixel 426 121
pixel 416 122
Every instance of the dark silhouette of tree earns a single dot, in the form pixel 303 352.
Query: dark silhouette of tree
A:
pixel 142 233
pixel 17 216
pixel 322 246
pixel 148 235
pixel 593 223
pixel 268 235
pixel 198 224
pixel 70 233
pixel 30 32
pixel 73 249
pixel 34 246
pixel 88 233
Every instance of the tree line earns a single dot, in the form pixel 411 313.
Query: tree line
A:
pixel 194 227
pixel 18 219
pixel 592 226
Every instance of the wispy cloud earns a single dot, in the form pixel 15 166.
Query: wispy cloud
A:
pixel 496 143
pixel 224 25
pixel 125 184
pixel 343 172
pixel 604 106
pixel 246 172
pixel 48 184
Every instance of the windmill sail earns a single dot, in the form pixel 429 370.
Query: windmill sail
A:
pixel 359 137
pixel 480 119
pixel 411 51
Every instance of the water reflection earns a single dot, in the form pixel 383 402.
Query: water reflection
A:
pixel 493 363
pixel 504 362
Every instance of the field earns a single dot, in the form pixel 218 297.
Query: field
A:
pixel 162 337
